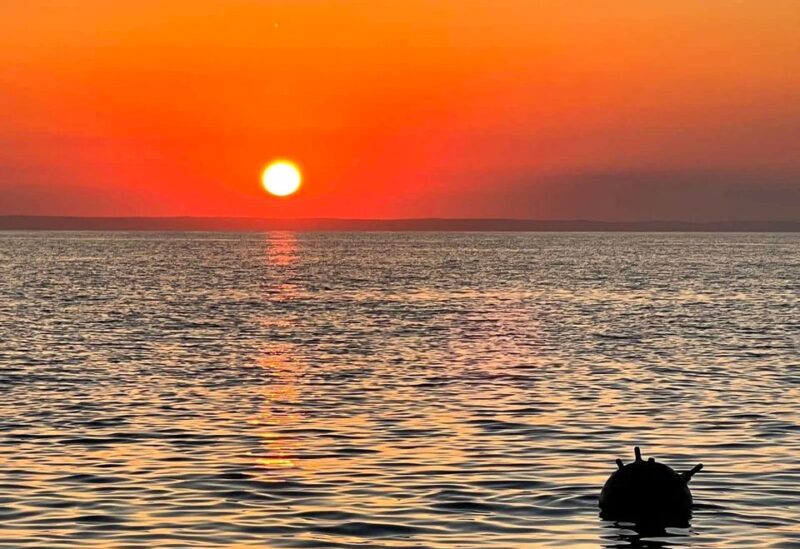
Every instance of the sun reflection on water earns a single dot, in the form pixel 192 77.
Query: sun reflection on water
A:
pixel 281 249
pixel 280 263
pixel 281 389
pixel 280 395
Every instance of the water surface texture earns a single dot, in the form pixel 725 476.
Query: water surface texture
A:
pixel 392 390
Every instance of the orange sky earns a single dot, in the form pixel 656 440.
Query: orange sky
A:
pixel 620 109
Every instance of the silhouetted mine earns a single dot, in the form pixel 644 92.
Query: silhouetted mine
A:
pixel 647 493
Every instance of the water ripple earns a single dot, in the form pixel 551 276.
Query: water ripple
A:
pixel 392 390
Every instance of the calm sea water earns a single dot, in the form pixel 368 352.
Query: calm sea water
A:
pixel 393 390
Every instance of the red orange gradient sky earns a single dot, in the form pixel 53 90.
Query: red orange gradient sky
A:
pixel 613 109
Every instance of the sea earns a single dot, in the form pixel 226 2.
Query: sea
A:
pixel 393 390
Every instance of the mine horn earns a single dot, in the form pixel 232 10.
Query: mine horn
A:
pixel 687 476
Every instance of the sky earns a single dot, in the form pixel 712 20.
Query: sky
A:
pixel 550 109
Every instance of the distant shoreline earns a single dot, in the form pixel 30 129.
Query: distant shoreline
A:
pixel 253 224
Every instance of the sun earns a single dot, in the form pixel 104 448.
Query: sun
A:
pixel 281 178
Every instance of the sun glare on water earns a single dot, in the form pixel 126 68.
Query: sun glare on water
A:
pixel 281 178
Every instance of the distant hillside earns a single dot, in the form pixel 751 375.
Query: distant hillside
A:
pixel 32 223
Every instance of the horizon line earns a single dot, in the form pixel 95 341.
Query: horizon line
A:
pixel 22 222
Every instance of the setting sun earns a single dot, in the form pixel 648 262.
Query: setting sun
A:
pixel 281 178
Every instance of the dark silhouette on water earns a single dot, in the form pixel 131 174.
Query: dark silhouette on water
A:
pixel 649 494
